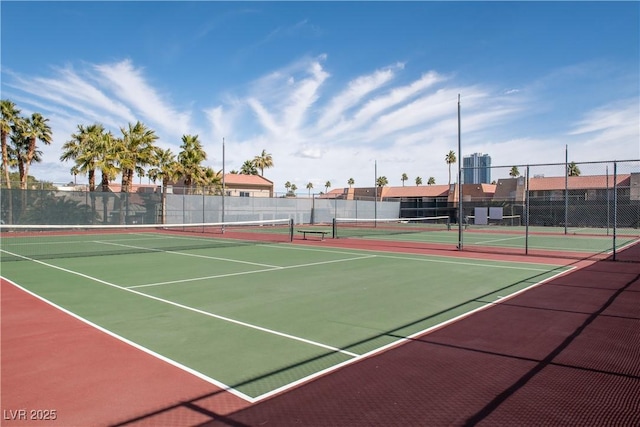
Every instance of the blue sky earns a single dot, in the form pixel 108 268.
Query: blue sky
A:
pixel 332 88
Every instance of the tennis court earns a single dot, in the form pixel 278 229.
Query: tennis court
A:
pixel 581 242
pixel 252 317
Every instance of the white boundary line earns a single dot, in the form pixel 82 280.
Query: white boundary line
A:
pixel 135 345
pixel 242 273
pixel 355 356
pixel 407 339
pixel 186 307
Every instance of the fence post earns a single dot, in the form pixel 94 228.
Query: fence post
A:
pixel 526 213
pixel 615 206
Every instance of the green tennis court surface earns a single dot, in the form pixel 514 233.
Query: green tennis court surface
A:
pixel 258 318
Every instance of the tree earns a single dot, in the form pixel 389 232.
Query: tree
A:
pixel 418 181
pixel 33 129
pixel 573 169
pixel 309 187
pixel 350 182
pixel 293 189
pixel 249 168
pixel 514 172
pixel 190 157
pixel 263 161
pixel 287 185
pixel 10 115
pixel 449 159
pixel 404 178
pixel 327 185
pixel 106 163
pixel 382 181
pixel 135 151
pixel 431 181
pixel 82 148
pixel 166 169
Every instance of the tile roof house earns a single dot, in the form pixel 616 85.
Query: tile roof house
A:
pixel 247 185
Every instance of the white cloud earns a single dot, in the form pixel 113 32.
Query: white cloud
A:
pixel 318 132
pixel 129 85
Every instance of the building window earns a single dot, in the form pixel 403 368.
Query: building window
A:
pixel 245 194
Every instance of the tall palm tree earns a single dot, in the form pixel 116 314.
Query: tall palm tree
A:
pixel 382 181
pixel 10 115
pixel 514 172
pixel 573 169
pixel 326 186
pixel 431 181
pixel 167 169
pixel 135 151
pixel 191 156
pixel 263 161
pixel 293 189
pixel 287 185
pixel 351 182
pixel 404 178
pixel 106 162
pixel 418 181
pixel 309 187
pixel 449 159
pixel 35 129
pixel 83 148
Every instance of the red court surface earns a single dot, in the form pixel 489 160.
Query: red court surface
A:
pixel 564 353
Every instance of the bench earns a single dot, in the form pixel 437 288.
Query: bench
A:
pixel 305 232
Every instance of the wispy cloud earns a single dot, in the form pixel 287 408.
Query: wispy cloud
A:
pixel 318 131
pixel 129 84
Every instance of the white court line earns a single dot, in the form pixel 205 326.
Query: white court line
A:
pixel 497 240
pixel 187 254
pixel 135 345
pixel 403 340
pixel 186 307
pixel 433 258
pixel 241 273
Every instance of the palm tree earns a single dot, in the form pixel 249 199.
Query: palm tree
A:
pixel 514 172
pixel 83 149
pixel 190 157
pixel 135 152
pixel 210 181
pixel 351 182
pixel 10 115
pixel 35 128
pixel 573 169
pixel 287 185
pixel 264 160
pixel 166 169
pixel 431 181
pixel 382 181
pixel 249 168
pixel 449 159
pixel 326 186
pixel 293 189
pixel 106 163
pixel 310 187
pixel 404 178
pixel 418 181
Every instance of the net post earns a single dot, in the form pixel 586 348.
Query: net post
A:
pixel 290 229
pixel 334 230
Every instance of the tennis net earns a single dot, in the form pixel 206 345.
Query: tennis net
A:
pixel 360 227
pixel 504 221
pixel 24 242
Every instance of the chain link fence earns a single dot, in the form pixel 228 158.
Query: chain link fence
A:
pixel 597 200
pixel 150 206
